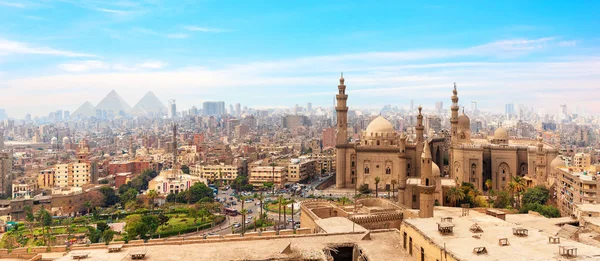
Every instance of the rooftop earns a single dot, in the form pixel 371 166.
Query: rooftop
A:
pixel 461 242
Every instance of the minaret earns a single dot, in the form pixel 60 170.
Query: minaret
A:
pixel 427 186
pixel 454 117
pixel 342 134
pixel 402 177
pixel 175 162
pixel 419 139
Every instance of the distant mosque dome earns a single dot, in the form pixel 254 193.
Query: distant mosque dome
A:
pixel 435 170
pixel 464 121
pixel 380 125
pixel 557 162
pixel 501 134
pixel 66 140
pixel 54 140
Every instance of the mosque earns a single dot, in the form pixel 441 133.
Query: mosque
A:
pixel 412 165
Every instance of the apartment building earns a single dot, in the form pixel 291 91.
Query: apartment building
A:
pixel 222 172
pixel 301 169
pixel 45 178
pixel 261 174
pixel 72 174
pixel 576 187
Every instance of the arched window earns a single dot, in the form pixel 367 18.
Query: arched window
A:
pixel 426 182
pixel 388 171
pixel 414 198
pixel 366 170
pixel 377 142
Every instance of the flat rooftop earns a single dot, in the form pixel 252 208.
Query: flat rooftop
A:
pixel 339 225
pixel 384 245
pixel 461 242
pixel 588 207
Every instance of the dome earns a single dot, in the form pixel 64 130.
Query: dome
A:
pixel 380 124
pixel 557 162
pixel 66 140
pixel 501 134
pixel 464 121
pixel 435 170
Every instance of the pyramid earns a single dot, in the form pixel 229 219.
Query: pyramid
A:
pixel 86 110
pixel 113 102
pixel 149 104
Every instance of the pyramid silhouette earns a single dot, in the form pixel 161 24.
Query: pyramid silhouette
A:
pixel 113 102
pixel 149 104
pixel 86 110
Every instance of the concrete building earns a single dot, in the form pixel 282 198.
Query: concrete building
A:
pixel 301 169
pixel 222 172
pixel 72 174
pixel 213 108
pixel 6 174
pixel 294 121
pixel 328 138
pixel 172 109
pixel 582 160
pixel 261 174
pixel 576 187
pixel 46 178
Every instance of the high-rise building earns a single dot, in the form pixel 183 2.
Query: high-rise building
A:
pixel 328 137
pixel 412 105
pixel 238 109
pixel 213 108
pixel 509 109
pixel 172 109
pixel 474 106
pixel 309 107
pixel 439 106
pixel 67 115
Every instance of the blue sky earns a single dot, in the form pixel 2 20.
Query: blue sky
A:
pixel 56 54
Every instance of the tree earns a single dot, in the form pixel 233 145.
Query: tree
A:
pixel 244 212
pixel 163 219
pixel 129 195
pixel 544 210
pixel 29 217
pixel 488 184
pixel 88 205
pixel 455 195
pixel 538 194
pixel 185 169
pixel 502 200
pixel 394 182
pixel 110 198
pixel 280 202
pixel 142 226
pixel 292 201
pixel 364 189
pixel 198 192
pixel 152 194
pixel 261 198
pixel 344 201
pixel 516 186
pixel 273 164
pixel 269 185
pixel 108 236
pixel 377 180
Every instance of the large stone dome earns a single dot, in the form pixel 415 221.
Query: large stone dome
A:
pixel 380 125
pixel 501 134
pixel 435 170
pixel 464 121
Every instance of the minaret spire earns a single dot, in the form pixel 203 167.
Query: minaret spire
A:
pixel 342 134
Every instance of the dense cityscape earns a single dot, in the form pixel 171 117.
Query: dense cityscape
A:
pixel 133 132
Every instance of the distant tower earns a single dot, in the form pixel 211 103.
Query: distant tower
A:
pixel 454 118
pixel 175 162
pixel 172 109
pixel 342 134
pixel 427 187
pixel 402 171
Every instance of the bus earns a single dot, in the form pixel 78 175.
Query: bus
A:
pixel 231 212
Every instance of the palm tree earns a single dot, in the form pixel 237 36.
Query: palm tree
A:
pixel 285 202
pixel 280 201
pixel 292 201
pixel 273 164
pixel 455 195
pixel 244 212
pixel 488 184
pixel 517 186
pixel 394 182
pixel 377 180
pixel 261 197
pixel 88 206
pixel 254 223
pixel 344 200
pixel 152 194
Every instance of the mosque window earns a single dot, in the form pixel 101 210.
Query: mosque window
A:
pixel 426 182
pixel 388 171
pixel 366 170
pixel 414 198
pixel 378 143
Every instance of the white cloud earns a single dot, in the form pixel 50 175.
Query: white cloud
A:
pixel 101 66
pixel 113 11
pixel 12 4
pixel 177 36
pixel 567 43
pixel 8 47
pixel 204 29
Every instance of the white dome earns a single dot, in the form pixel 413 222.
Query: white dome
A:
pixel 66 140
pixel 380 125
pixel 501 134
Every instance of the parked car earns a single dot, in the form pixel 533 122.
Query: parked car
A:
pixel 236 225
pixel 249 211
pixel 289 220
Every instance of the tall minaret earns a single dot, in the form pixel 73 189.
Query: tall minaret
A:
pixel 419 131
pixel 175 162
pixel 427 186
pixel 402 177
pixel 342 134
pixel 454 118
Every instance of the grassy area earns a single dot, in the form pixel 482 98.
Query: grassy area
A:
pixel 182 221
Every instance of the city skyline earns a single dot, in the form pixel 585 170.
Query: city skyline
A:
pixel 391 53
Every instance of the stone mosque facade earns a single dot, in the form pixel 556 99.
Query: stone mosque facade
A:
pixel 413 165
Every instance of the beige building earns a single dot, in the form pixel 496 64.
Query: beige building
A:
pixel 325 162
pixel 582 160
pixel 71 174
pixel 395 159
pixel 262 174
pixel 45 178
pixel 169 181
pixel 301 169
pixel 576 187
pixel 223 172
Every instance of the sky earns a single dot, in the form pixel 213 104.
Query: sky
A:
pixel 57 54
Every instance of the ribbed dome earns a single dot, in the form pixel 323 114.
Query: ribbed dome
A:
pixel 66 140
pixel 464 121
pixel 557 162
pixel 380 124
pixel 501 134
pixel 435 170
